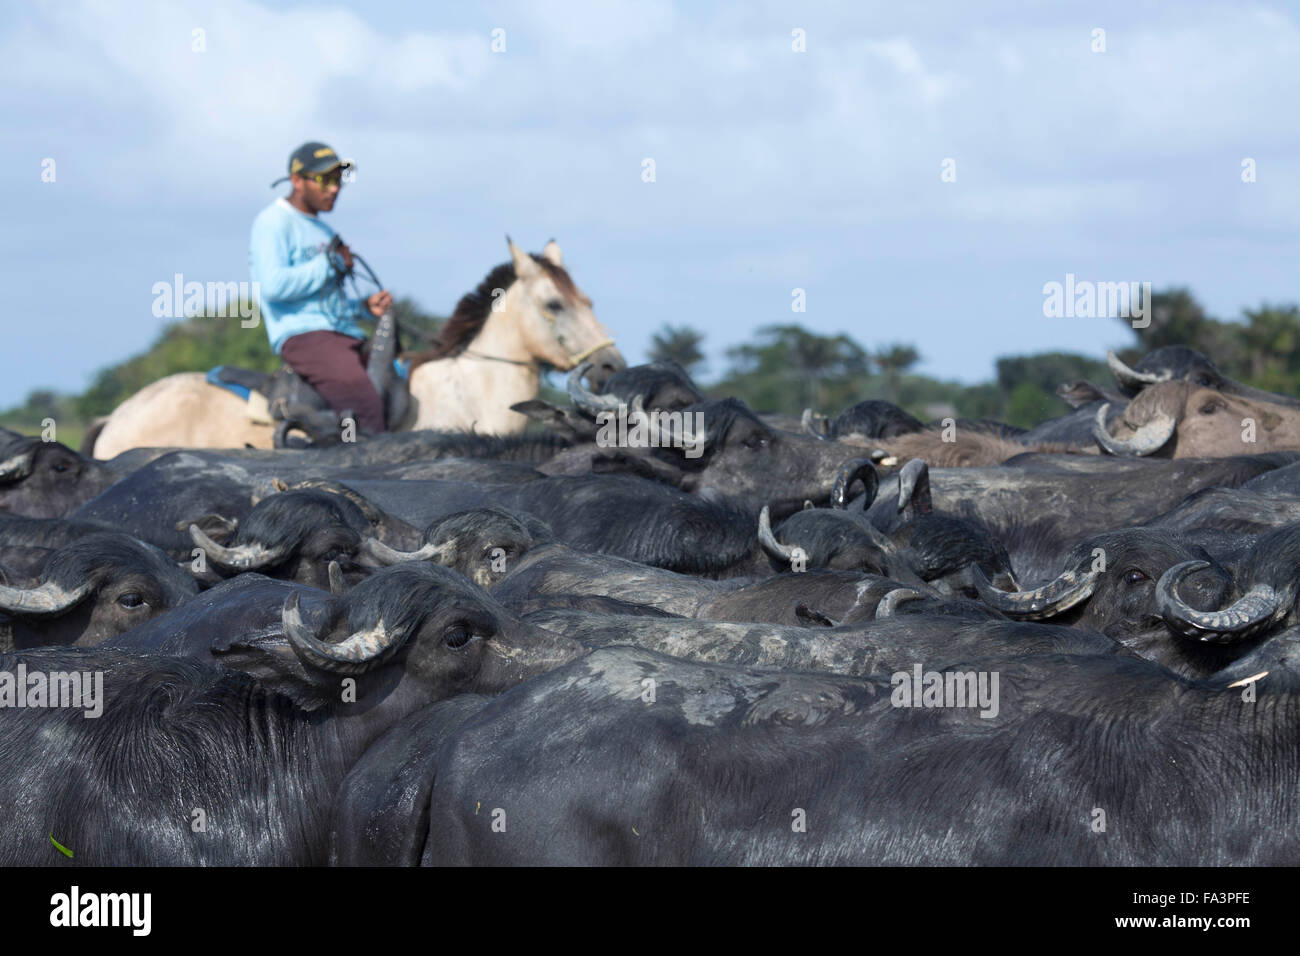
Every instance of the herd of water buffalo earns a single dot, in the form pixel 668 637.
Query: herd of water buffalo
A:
pixel 859 639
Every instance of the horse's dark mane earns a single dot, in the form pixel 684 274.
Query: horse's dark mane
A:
pixel 474 307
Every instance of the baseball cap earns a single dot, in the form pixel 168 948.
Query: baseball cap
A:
pixel 313 158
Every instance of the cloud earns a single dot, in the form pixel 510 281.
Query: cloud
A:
pixel 764 155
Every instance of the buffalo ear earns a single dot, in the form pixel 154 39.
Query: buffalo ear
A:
pixel 562 421
pixel 544 413
pixel 216 527
pixel 272 662
pixel 1078 394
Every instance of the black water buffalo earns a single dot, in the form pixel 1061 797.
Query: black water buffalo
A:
pixel 46 479
pixel 26 543
pixel 719 449
pixel 620 515
pixel 481 543
pixel 901 537
pixel 1040 506
pixel 297 534
pixel 99 585
pixel 660 385
pixel 1179 363
pixel 1109 583
pixel 1265 592
pixel 257 756
pixel 246 607
pixel 693 764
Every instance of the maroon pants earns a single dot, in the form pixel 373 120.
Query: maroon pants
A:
pixel 333 364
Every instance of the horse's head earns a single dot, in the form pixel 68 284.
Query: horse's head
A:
pixel 555 318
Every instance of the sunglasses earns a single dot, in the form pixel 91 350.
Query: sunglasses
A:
pixel 324 180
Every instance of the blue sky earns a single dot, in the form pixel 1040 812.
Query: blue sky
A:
pixel 775 169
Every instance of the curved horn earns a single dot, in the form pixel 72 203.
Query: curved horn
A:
pixel 241 557
pixel 1150 438
pixel 18 466
pixel 1131 378
pixel 851 471
pixel 1248 614
pixel 440 553
pixel 48 598
pixel 807 422
pixel 354 654
pixel 1051 599
pixel 914 476
pixel 776 549
pixel 585 400
pixel 889 603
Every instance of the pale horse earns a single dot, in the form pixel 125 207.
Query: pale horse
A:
pixel 525 313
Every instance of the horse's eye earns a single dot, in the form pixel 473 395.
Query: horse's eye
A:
pixel 555 305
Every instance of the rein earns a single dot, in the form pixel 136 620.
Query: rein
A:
pixel 574 360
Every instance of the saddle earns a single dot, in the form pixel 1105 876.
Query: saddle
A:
pixel 294 406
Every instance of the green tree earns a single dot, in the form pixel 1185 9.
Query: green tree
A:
pixel 677 343
pixel 1270 356
pixel 893 361
pixel 789 369
pixel 1049 370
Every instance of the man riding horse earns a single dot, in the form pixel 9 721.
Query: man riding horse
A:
pixel 526 315
pixel 298 264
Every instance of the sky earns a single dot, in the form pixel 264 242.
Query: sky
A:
pixel 920 170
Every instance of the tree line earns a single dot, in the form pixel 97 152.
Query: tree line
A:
pixel 785 368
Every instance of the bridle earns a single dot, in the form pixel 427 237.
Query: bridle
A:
pixel 574 359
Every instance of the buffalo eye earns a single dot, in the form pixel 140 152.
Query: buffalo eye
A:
pixel 755 442
pixel 60 466
pixel 1209 408
pixel 130 599
pixel 1134 576
pixel 457 636
pixel 1203 381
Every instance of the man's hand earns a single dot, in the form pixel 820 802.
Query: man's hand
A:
pixel 346 253
pixel 379 303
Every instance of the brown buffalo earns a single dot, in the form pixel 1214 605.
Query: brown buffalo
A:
pixel 1178 419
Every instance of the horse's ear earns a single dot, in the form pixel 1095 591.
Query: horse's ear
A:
pixel 525 267
pixel 552 254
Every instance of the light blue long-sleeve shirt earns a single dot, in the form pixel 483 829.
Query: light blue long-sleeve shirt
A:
pixel 298 288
